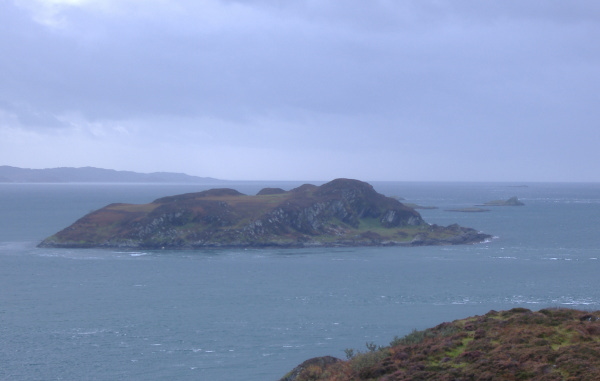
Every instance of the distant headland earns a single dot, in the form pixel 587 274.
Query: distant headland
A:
pixel 342 212
pixel 10 174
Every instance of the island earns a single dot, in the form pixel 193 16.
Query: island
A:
pixel 468 210
pixel 342 212
pixel 518 344
pixel 513 201
pixel 416 206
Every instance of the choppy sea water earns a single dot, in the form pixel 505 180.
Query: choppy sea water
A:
pixel 255 314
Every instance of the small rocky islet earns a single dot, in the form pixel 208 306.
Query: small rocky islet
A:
pixel 468 210
pixel 513 201
pixel 342 212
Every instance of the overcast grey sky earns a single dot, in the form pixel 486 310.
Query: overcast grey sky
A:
pixel 455 90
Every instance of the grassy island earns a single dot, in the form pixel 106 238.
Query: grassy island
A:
pixel 342 212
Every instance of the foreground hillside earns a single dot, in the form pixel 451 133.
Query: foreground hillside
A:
pixel 552 344
pixel 342 212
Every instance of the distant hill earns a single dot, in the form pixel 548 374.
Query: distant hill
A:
pixel 10 174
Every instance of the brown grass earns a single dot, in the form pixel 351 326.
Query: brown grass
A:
pixel 552 344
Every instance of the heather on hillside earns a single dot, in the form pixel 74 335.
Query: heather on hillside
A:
pixel 551 344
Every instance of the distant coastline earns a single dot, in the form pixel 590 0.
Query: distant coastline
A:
pixel 10 174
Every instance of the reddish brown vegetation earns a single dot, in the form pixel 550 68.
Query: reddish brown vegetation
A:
pixel 552 344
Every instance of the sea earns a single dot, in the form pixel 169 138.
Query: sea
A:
pixel 253 315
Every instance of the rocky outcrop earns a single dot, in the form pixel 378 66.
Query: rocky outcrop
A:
pixel 312 366
pixel 342 212
pixel 270 191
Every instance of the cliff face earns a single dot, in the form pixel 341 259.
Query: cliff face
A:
pixel 341 212
pixel 552 344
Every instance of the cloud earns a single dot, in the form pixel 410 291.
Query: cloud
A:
pixel 49 12
pixel 231 60
pixel 385 78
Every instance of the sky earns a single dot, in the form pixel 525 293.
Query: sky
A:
pixel 398 90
